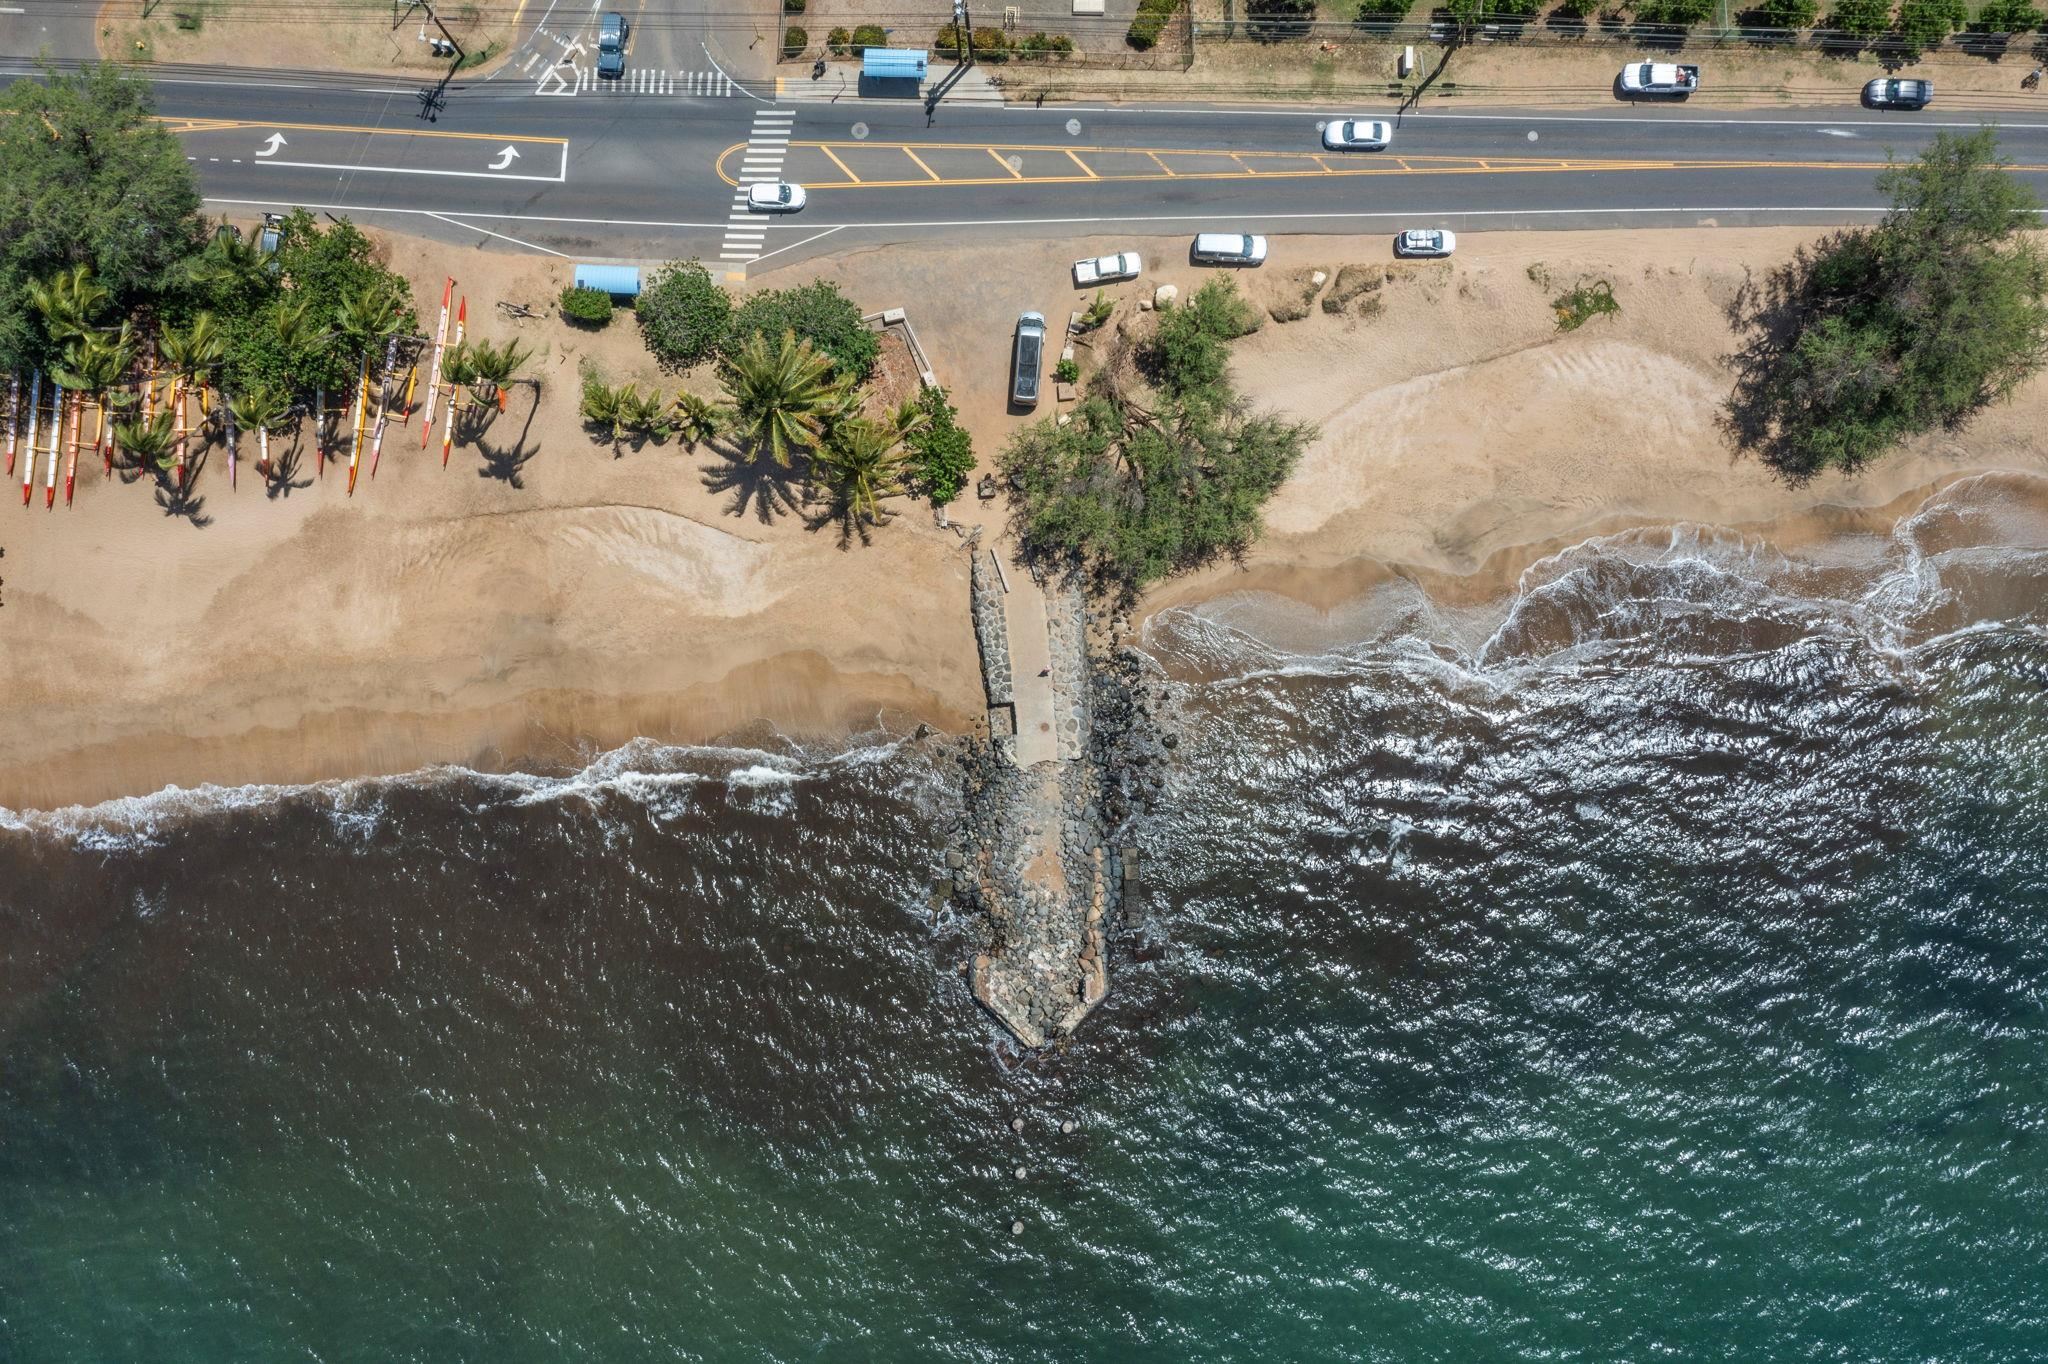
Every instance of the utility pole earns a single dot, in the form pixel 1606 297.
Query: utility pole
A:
pixel 963 30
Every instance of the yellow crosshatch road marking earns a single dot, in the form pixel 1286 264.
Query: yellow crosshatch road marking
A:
pixel 837 162
pixel 1103 164
pixel 222 125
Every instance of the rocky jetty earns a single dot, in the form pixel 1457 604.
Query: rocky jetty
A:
pixel 1040 863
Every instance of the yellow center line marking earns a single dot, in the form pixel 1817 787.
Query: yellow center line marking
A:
pixel 1325 165
pixel 1015 174
pixel 841 164
pixel 1162 165
pixel 1240 161
pixel 227 125
pixel 920 163
pixel 1084 166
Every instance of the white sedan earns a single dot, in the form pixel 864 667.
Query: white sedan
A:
pixel 775 198
pixel 1103 269
pixel 1426 241
pixel 1357 134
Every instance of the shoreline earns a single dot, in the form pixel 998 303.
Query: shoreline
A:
pixel 527 617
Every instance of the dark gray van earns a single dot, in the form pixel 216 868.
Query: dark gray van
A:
pixel 1028 360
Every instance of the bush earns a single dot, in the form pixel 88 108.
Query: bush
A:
pixel 1066 371
pixel 794 41
pixel 991 45
pixel 2007 16
pixel 587 307
pixel 684 317
pixel 1674 13
pixel 1789 14
pixel 869 35
pixel 1583 303
pixel 1383 11
pixel 941 454
pixel 1270 21
pixel 1186 351
pixel 1912 325
pixel 949 41
pixel 1861 18
pixel 839 42
pixel 1924 23
pixel 792 6
pixel 817 312
pixel 1150 22
pixel 1041 47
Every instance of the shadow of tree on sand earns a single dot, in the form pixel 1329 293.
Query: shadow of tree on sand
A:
pixel 281 479
pixel 184 501
pixel 757 481
pixel 473 423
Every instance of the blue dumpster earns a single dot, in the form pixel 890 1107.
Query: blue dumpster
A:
pixel 893 63
pixel 620 281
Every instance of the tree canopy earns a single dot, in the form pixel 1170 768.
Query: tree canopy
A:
pixel 816 312
pixel 87 177
pixel 1916 323
pixel 1163 466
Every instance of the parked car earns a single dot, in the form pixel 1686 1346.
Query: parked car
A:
pixel 1228 248
pixel 775 198
pixel 1659 78
pixel 1426 242
pixel 1357 134
pixel 1897 94
pixel 1104 269
pixel 611 46
pixel 1027 360
pixel 272 235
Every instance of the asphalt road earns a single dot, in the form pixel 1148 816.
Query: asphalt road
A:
pixel 650 170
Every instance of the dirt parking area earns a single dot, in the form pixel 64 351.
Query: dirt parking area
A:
pixel 333 35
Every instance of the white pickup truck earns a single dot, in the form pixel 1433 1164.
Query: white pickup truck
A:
pixel 1659 78
pixel 1103 269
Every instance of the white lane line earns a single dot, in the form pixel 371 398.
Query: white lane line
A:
pixel 794 245
pixel 729 80
pixel 472 227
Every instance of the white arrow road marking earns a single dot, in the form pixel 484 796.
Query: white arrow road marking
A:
pixel 270 148
pixel 1839 132
pixel 505 158
pixel 562 86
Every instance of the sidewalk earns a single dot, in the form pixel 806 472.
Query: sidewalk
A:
pixel 841 85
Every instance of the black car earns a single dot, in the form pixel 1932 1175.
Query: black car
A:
pixel 611 46
pixel 1886 93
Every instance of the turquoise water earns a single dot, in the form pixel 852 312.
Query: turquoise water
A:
pixel 1653 965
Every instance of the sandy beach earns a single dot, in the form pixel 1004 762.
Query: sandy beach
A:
pixel 545 598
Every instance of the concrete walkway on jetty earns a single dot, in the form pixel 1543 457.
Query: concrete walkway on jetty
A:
pixel 1044 873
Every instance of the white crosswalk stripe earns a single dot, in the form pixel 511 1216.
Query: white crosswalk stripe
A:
pixel 767 147
pixel 575 80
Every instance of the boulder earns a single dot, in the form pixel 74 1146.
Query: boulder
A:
pixel 1164 295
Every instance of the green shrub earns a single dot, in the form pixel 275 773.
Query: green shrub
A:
pixel 792 6
pixel 1584 302
pixel 1067 371
pixel 587 307
pixel 683 316
pixel 1269 21
pixel 1383 11
pixel 1924 23
pixel 816 312
pixel 1790 14
pixel 941 454
pixel 1674 13
pixel 839 42
pixel 1861 18
pixel 949 41
pixel 794 41
pixel 2007 16
pixel 1041 47
pixel 869 35
pixel 1150 22
pixel 991 45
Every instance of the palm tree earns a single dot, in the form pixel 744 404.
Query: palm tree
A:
pixel 486 369
pixel 781 398
pixel 95 364
pixel 66 301
pixel 364 319
pixel 153 442
pixel 230 261
pixel 259 409
pixel 696 419
pixel 192 353
pixel 861 464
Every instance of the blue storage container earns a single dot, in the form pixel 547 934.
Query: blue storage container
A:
pixel 893 63
pixel 620 281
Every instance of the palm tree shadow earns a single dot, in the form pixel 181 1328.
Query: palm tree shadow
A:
pixel 280 481
pixel 177 501
pixel 851 527
pixel 757 481
pixel 503 464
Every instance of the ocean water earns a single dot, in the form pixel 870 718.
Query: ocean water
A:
pixel 1650 965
